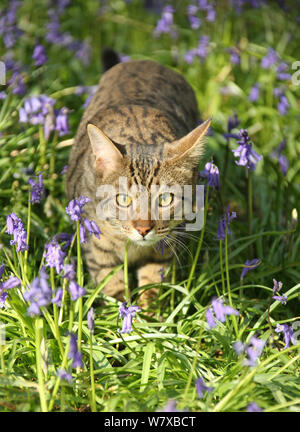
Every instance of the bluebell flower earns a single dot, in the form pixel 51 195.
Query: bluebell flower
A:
pixel 76 290
pixel 247 156
pixel 2 268
pixel 69 272
pixel 64 170
pixel 54 35
pixel 239 347
pixel 207 7
pixel 276 288
pixel 74 354
pixel 283 164
pixel 3 297
pixel 60 5
pixel 254 93
pixel 288 334
pixel 210 318
pixel 282 73
pixel 39 55
pixel 91 319
pixel 17 83
pixel 224 223
pixel 37 190
pixel 161 246
pixel 250 265
pixel 283 160
pixel 212 174
pixel 234 56
pixel 64 238
pixel 39 293
pixel 201 387
pixel 16 228
pixel 269 59
pixel 166 23
pixel 233 122
pixel 92 227
pixel 283 104
pixel 254 351
pixel 171 406
pixel 127 313
pixel 35 109
pixel 54 256
pixel 220 310
pixel 11 282
pixel 64 375
pixel 9 30
pixel 58 297
pixel 62 122
pixel 201 51
pixel 75 207
pixel 253 407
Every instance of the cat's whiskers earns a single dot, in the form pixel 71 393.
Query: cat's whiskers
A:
pixel 181 244
pixel 173 249
pixel 186 234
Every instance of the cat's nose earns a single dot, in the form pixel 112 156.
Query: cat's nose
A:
pixel 143 226
pixel 143 230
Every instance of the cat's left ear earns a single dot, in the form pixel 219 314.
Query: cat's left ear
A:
pixel 190 147
pixel 107 157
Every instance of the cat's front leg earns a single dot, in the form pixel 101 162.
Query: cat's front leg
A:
pixel 101 261
pixel 151 273
pixel 115 286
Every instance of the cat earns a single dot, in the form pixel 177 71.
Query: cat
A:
pixel 141 125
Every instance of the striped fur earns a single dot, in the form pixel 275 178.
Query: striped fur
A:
pixel 144 109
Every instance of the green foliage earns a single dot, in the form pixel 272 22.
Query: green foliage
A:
pixel 170 348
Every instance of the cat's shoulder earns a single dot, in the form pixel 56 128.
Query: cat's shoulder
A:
pixel 143 68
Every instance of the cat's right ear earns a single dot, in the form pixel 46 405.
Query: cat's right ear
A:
pixel 107 157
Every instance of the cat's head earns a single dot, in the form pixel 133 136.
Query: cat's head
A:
pixel 140 188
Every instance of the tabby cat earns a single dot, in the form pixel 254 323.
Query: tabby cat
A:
pixel 136 126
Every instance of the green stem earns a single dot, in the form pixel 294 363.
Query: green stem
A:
pixel 58 380
pixel 28 233
pixel 173 281
pixel 227 151
pixel 93 395
pixel 52 161
pixel 228 281
pixel 192 272
pixel 65 359
pixel 42 147
pixel 38 335
pixel 192 370
pixel 65 284
pixel 58 338
pixel 63 299
pixel 23 274
pixel 2 341
pixel 222 269
pixel 126 284
pixel 80 282
pixel 250 207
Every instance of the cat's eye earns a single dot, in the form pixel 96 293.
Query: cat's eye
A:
pixel 123 200
pixel 165 199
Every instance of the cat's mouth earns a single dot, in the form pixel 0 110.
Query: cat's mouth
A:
pixel 149 239
pixel 146 242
